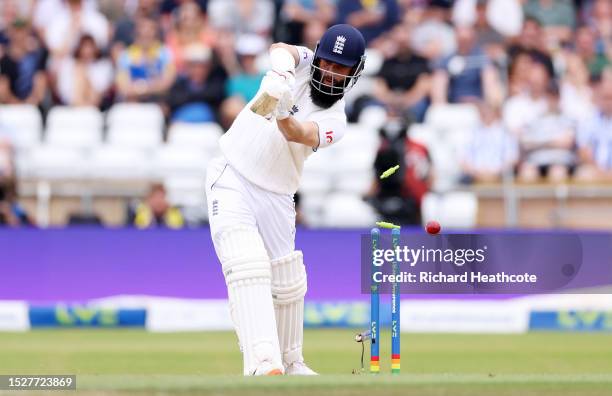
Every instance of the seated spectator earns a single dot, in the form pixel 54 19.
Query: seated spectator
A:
pixel 168 8
pixel 22 68
pixel 75 19
pixel 242 16
pixel 85 78
pixel 296 14
pixel 599 18
pixel 145 70
pixel 155 211
pixel 403 82
pixel 125 27
pixel 595 139
pixel 11 10
pixel 503 17
pixel 398 197
pixel 595 58
pixel 547 144
pixel 246 82
pixel 7 169
pixel 558 17
pixel 11 213
pixel 433 37
pixel 532 41
pixel 490 40
pixel 491 150
pixel 195 96
pixel 372 18
pixel 190 28
pixel 242 86
pixel 576 92
pixel 519 72
pixel 525 107
pixel 466 75
pixel 313 30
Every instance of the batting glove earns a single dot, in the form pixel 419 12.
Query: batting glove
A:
pixel 284 106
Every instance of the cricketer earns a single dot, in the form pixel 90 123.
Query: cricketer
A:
pixel 298 109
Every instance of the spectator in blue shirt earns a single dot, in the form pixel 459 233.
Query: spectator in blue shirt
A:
pixel 22 67
pixel 371 17
pixel 595 139
pixel 466 75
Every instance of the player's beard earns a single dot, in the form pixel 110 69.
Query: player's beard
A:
pixel 322 99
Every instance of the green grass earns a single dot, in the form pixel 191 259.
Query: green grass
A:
pixel 125 362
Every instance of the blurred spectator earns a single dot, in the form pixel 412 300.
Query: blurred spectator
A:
pixel 595 138
pixel 168 9
pixel 155 211
pixel 434 37
pixel 467 75
pixel 296 14
pixel 524 107
pixel 22 67
pixel 85 78
pixel 11 213
pixel 487 38
pixel 491 150
pixel 242 86
pixel 246 82
pixel 586 48
pixel 576 92
pixel 558 18
pixel 125 28
pixel 313 30
pixel 532 41
pixel 145 70
pixel 599 18
pixel 7 169
pixel 398 197
pixel 195 95
pixel 11 10
pixel 190 28
pixel 519 72
pixel 403 82
pixel 371 17
pixel 504 17
pixel 73 20
pixel 242 16
pixel 547 143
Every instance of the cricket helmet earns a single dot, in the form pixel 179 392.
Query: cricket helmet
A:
pixel 344 45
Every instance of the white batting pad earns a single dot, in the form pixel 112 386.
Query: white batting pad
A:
pixel 246 268
pixel 288 291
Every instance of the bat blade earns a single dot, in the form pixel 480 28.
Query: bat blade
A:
pixel 264 104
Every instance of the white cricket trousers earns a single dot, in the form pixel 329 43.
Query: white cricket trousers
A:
pixel 233 200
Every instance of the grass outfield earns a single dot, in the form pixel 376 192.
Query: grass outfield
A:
pixel 122 362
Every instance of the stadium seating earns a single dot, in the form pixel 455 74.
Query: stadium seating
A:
pixel 135 125
pixel 457 209
pixel 117 162
pixel 347 210
pixel 23 123
pixel 77 127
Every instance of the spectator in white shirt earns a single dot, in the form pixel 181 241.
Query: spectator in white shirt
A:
pixel 547 143
pixel 75 19
pixel 523 108
pixel 85 78
pixel 491 151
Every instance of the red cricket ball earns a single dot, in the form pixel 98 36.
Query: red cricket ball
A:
pixel 432 227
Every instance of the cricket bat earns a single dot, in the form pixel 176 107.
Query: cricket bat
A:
pixel 264 104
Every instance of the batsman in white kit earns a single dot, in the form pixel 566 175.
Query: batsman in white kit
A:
pixel 298 109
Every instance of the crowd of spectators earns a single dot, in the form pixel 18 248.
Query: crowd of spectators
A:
pixel 539 71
